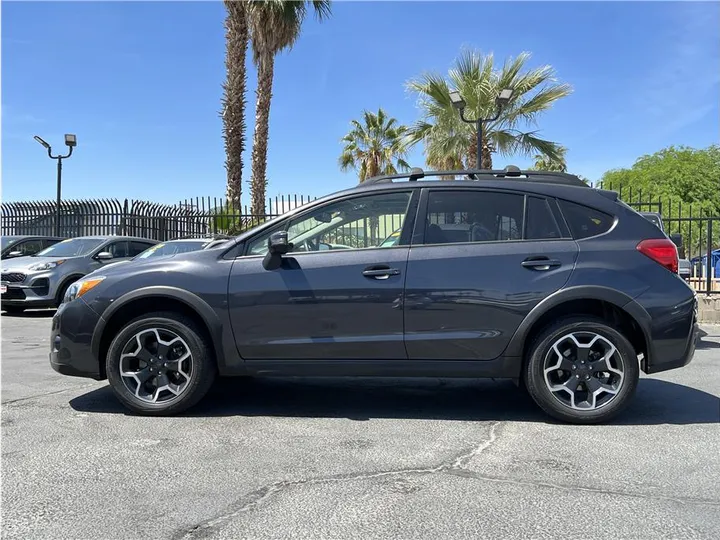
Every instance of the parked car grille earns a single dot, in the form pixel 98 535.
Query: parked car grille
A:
pixel 13 277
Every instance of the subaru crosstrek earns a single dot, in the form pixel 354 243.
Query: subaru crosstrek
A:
pixel 525 275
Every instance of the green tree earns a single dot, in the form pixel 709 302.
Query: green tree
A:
pixel 449 140
pixel 374 146
pixel 233 101
pixel 684 180
pixel 275 25
pixel 546 163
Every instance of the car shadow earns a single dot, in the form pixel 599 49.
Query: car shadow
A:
pixel 33 314
pixel 706 343
pixel 656 401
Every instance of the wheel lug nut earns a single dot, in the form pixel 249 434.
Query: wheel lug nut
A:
pixel 577 376
pixel 574 367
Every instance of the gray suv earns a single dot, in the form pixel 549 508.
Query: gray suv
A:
pixel 531 276
pixel 40 280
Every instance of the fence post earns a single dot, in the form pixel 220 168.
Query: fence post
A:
pixel 709 266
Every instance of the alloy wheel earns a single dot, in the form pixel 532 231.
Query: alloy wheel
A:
pixel 584 371
pixel 156 365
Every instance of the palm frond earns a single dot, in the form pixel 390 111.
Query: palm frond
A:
pixel 447 139
pixel 375 145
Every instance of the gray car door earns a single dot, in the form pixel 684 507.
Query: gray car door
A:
pixel 338 294
pixel 486 259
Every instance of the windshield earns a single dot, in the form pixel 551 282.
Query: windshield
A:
pixel 172 248
pixel 73 247
pixel 7 240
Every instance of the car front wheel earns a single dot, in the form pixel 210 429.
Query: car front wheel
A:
pixel 160 364
pixel 581 370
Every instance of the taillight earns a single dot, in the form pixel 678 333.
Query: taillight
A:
pixel 662 251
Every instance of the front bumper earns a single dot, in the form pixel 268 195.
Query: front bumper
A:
pixel 70 338
pixel 37 290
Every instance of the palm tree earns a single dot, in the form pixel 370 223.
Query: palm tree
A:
pixel 546 163
pixel 233 102
pixel 448 139
pixel 374 146
pixel 274 26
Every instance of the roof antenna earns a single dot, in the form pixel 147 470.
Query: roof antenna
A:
pixel 512 170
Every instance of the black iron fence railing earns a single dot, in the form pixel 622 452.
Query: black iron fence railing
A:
pixel 698 223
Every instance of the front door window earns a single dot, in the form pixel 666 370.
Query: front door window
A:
pixel 357 223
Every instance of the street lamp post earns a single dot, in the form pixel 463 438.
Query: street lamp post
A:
pixel 500 101
pixel 70 142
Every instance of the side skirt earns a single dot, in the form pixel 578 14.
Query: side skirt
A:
pixel 501 368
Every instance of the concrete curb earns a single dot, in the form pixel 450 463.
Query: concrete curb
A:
pixel 709 309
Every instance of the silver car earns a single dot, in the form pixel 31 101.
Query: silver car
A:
pixel 172 247
pixel 40 280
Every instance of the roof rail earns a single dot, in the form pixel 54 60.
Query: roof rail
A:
pixel 510 172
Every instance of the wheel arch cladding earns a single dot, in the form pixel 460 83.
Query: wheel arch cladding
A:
pixel 156 299
pixel 618 309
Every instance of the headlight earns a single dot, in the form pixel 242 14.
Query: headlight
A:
pixel 46 265
pixel 77 289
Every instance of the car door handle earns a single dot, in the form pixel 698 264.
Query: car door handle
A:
pixel 380 272
pixel 540 263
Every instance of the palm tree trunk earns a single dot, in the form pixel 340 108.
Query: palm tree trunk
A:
pixel 486 156
pixel 472 154
pixel 258 182
pixel 233 101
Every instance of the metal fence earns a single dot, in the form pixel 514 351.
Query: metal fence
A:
pixel 700 229
pixel 698 226
pixel 198 217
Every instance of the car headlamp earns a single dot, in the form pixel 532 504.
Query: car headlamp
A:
pixel 46 265
pixel 79 288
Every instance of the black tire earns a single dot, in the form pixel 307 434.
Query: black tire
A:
pixel 203 372
pixel 535 379
pixel 13 310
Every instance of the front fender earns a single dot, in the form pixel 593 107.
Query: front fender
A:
pixel 202 308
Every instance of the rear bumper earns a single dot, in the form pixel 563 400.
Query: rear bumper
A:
pixel 672 335
pixel 70 337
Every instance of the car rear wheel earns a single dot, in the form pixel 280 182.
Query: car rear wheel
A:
pixel 581 370
pixel 160 364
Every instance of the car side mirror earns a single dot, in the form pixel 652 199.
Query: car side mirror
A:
pixel 104 256
pixel 677 239
pixel 278 246
pixel 15 254
pixel 278 243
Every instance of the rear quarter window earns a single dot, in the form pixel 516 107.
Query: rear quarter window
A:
pixel 584 221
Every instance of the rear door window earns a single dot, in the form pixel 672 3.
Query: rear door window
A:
pixel 136 248
pixel 540 223
pixel 584 221
pixel 473 216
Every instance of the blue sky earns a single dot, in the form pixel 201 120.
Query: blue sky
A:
pixel 140 85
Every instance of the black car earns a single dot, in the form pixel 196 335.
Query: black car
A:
pixel 25 245
pixel 526 275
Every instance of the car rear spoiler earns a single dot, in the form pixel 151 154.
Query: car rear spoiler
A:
pixel 612 195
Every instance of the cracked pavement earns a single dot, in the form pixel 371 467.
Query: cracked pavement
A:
pixel 363 458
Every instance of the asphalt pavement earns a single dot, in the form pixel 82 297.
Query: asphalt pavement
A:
pixel 352 458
